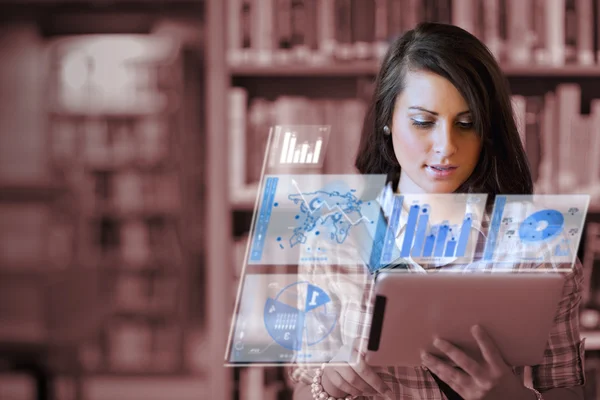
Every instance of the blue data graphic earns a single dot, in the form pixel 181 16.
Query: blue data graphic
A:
pixel 431 228
pixel 280 320
pixel 295 327
pixel 306 217
pixel 294 147
pixel 536 229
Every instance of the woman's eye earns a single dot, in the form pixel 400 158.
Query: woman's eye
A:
pixel 421 124
pixel 465 125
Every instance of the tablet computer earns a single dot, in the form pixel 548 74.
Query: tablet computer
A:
pixel 410 310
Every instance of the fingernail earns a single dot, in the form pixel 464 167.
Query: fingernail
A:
pixel 476 329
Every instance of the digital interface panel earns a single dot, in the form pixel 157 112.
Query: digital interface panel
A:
pixel 284 319
pixel 433 228
pixel 294 146
pixel 297 210
pixel 536 229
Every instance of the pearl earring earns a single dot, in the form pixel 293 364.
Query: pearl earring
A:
pixel 386 130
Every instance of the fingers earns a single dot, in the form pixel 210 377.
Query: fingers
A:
pixel 461 359
pixel 350 382
pixel 371 377
pixel 364 371
pixel 454 377
pixel 356 377
pixel 488 348
pixel 336 379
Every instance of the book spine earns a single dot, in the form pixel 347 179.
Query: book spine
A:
pixel 519 31
pixel 569 105
pixel 234 31
pixel 491 27
pixel 258 123
pixel 570 32
pixel 464 15
pixel 283 30
pixel 262 31
pixel 246 28
pixel 534 106
pixel 540 49
pixel 444 11
pixel 326 24
pixel 238 101
pixel 310 28
pixel 395 13
pixel 597 24
pixel 343 25
pixel 363 27
pixel 585 32
pixel 382 28
pixel 519 106
pixel 412 14
pixel 555 31
pixel 300 45
pixel 594 167
pixel 546 182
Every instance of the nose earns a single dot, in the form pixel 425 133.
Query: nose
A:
pixel 443 140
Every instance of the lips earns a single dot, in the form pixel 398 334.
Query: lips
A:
pixel 440 171
pixel 442 167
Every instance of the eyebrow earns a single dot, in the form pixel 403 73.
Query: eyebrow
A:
pixel 434 113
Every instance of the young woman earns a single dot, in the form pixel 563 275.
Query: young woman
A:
pixel 442 122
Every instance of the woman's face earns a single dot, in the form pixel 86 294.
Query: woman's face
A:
pixel 433 135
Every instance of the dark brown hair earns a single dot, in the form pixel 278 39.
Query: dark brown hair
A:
pixel 460 57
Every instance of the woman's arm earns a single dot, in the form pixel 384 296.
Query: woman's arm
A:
pixel 562 365
pixel 513 388
pixel 302 392
pixel 575 393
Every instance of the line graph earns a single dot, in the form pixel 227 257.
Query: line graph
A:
pixel 302 210
pixel 312 208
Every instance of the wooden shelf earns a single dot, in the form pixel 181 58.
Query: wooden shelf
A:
pixel 592 339
pixel 539 71
pixel 133 214
pixel 244 198
pixel 35 191
pixel 369 68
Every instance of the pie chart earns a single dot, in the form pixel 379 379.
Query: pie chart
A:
pixel 301 315
pixel 541 225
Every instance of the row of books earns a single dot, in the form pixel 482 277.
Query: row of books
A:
pixel 547 124
pixel 135 244
pixel 35 236
pixel 133 346
pixel 114 75
pixel 249 129
pixel 146 294
pixel 131 191
pixel 563 144
pixel 268 32
pixel 103 143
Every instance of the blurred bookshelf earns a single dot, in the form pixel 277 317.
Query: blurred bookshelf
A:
pixel 115 137
pixel 314 62
pixel 370 68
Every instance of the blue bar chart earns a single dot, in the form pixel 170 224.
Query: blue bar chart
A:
pixel 299 146
pixel 437 227
pixel 441 240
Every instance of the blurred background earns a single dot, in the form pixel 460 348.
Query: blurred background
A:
pixel 132 136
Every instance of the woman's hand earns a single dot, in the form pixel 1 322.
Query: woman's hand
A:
pixel 354 378
pixel 477 379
